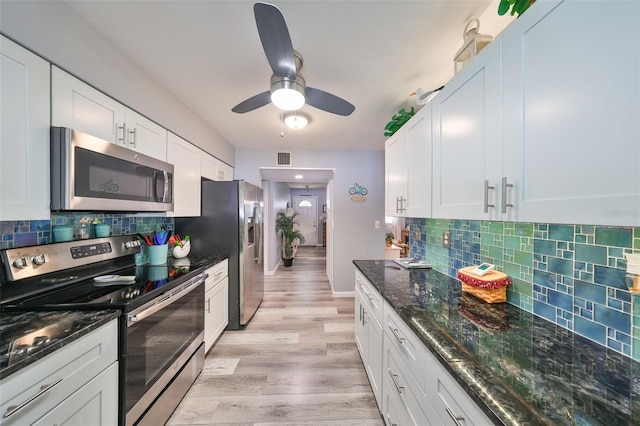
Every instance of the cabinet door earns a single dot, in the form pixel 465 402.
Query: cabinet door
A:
pixel 395 153
pixel 209 166
pixel 96 403
pixel 571 108
pixel 224 172
pixel 418 164
pixel 467 139
pixel 374 355
pixel 145 136
pixel 361 329
pixel 79 106
pixel 216 314
pixel 24 134
pixel 186 178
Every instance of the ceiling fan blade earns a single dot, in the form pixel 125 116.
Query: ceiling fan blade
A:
pixel 275 39
pixel 328 102
pixel 252 103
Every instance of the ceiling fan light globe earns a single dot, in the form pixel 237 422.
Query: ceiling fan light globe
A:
pixel 288 94
pixel 296 120
pixel 287 99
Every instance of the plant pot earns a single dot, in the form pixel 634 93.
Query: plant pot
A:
pixel 288 262
pixel 389 243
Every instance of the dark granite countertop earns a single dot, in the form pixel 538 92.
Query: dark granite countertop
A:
pixel 197 261
pixel 26 337
pixel 519 368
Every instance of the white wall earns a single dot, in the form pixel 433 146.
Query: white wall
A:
pixel 54 31
pixel 354 234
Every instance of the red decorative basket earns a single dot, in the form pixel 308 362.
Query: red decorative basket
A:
pixel 490 287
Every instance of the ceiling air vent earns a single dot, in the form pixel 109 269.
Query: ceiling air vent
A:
pixel 284 159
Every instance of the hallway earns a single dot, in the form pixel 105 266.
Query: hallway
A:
pixel 295 364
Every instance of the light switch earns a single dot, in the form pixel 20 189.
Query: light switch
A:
pixel 377 224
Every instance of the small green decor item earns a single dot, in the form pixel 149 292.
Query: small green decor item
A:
pixel 397 121
pixel 388 238
pixel 517 6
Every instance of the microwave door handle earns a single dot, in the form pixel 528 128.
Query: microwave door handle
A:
pixel 166 186
pixel 165 191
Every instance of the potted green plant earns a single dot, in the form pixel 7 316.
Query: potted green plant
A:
pixel 517 6
pixel 286 224
pixel 389 239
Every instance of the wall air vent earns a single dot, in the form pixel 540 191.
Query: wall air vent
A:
pixel 284 159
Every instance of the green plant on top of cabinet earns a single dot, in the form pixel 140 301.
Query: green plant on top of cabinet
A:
pixel 186 159
pixel 77 105
pixel 407 168
pixel 24 134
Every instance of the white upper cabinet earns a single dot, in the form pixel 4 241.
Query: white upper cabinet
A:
pixel 145 136
pixel 408 168
pixel 467 139
pixel 77 105
pixel 24 134
pixel 571 90
pixel 395 149
pixel 186 159
pixel 214 169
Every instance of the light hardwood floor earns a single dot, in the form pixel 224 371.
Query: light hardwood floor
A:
pixel 296 363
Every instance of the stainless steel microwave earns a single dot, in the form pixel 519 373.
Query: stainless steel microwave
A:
pixel 88 173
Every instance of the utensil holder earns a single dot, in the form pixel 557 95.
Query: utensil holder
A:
pixel 102 230
pixel 62 233
pixel 158 254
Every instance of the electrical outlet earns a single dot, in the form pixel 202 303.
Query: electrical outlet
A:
pixel 446 240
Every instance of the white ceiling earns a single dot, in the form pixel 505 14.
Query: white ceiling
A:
pixel 371 53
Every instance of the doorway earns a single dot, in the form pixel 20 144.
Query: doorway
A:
pixel 307 208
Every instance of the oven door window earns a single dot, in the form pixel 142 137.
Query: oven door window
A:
pixel 155 342
pixel 101 176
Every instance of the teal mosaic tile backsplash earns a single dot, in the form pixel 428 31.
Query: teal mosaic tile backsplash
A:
pixel 35 232
pixel 571 275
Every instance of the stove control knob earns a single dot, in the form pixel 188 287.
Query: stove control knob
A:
pixel 40 259
pixel 132 244
pixel 21 262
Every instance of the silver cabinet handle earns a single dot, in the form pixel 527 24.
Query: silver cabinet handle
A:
pixel 505 185
pixel 402 200
pixel 43 389
pixel 390 422
pixel 486 196
pixel 395 381
pixel 121 140
pixel 133 133
pixel 397 336
pixel 456 419
pixel 360 313
pixel 209 306
pixel 364 318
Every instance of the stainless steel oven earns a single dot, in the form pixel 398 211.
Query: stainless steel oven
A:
pixel 161 328
pixel 88 173
pixel 161 336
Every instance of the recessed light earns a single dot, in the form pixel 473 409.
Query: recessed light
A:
pixel 298 176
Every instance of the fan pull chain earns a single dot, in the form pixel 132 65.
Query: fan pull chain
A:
pixel 282 124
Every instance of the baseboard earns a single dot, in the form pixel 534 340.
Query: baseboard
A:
pixel 274 269
pixel 338 294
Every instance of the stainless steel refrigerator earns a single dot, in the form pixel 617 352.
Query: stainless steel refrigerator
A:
pixel 231 223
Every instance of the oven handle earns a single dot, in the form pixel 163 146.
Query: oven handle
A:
pixel 165 300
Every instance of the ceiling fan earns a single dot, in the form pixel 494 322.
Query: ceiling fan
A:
pixel 288 87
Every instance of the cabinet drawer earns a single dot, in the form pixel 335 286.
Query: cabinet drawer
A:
pixel 63 372
pixel 399 380
pixel 371 296
pixel 407 345
pixel 216 273
pixel 452 403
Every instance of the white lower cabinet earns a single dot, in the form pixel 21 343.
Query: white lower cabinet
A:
pixel 75 385
pixel 368 332
pixel 216 303
pixel 410 384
